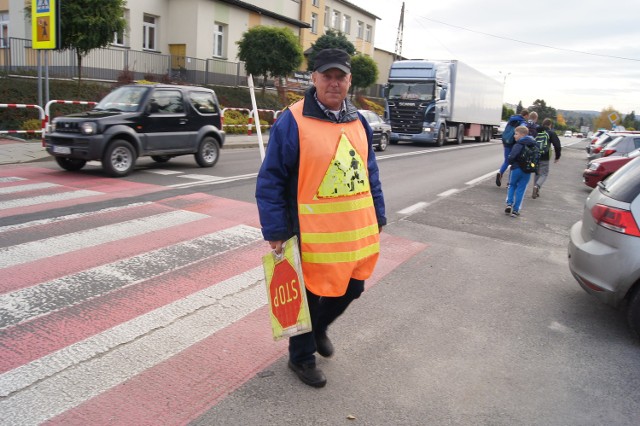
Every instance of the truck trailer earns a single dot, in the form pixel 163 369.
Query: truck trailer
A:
pixel 440 101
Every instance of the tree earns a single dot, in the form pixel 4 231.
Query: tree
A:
pixel 330 39
pixel 602 121
pixel 560 121
pixel 629 122
pixel 544 111
pixel 519 107
pixel 364 72
pixel 88 24
pixel 507 112
pixel 270 50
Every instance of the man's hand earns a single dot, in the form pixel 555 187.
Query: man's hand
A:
pixel 276 246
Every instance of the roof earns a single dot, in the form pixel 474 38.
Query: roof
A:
pixel 359 9
pixel 265 12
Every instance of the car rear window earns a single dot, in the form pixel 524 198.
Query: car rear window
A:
pixel 624 184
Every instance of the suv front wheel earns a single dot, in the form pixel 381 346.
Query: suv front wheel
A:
pixel 208 152
pixel 119 158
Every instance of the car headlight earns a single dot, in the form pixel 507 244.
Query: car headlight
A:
pixel 593 166
pixel 51 127
pixel 88 128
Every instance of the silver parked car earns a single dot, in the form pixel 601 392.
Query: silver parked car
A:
pixel 604 247
pixel 381 130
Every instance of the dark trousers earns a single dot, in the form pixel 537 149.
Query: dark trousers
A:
pixel 323 310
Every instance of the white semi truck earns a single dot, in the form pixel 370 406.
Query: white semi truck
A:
pixel 441 101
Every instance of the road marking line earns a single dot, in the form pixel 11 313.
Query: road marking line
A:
pixel 414 208
pixel 48 247
pixel 162 172
pixel 86 369
pixel 68 217
pixel 27 187
pixel 10 179
pixel 207 178
pixel 481 178
pixel 447 193
pixel 223 180
pixel 32 302
pixel 43 199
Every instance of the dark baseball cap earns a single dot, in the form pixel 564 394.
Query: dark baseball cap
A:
pixel 332 58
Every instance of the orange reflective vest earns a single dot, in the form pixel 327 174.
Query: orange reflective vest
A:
pixel 339 235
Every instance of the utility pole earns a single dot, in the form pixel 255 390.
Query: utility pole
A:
pixel 398 52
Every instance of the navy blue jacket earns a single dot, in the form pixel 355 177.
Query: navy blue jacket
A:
pixel 517 149
pixel 277 184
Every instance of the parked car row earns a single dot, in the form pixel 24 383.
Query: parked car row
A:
pixel 604 245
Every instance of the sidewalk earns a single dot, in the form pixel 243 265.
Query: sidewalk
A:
pixel 15 150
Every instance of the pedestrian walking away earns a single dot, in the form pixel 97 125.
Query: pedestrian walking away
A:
pixel 320 181
pixel 519 178
pixel 508 141
pixel 552 145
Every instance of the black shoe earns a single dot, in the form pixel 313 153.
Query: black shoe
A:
pixel 536 192
pixel 515 213
pixel 499 179
pixel 309 374
pixel 508 210
pixel 323 344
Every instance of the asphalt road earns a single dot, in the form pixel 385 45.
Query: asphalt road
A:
pixel 486 325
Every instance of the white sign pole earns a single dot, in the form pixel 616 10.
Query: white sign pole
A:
pixel 256 117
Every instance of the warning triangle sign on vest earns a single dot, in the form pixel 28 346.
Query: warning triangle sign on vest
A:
pixel 346 175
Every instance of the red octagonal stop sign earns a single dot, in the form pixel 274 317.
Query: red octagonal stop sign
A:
pixel 285 294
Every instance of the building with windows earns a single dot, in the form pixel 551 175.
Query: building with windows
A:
pixel 192 30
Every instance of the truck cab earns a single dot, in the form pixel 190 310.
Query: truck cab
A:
pixel 438 101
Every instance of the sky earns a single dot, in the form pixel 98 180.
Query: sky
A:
pixel 574 55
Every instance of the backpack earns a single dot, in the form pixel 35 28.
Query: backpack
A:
pixel 529 158
pixel 542 140
pixel 510 131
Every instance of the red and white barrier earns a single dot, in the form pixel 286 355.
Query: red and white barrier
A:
pixel 25 106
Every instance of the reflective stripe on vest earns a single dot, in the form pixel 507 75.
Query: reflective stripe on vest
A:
pixel 339 236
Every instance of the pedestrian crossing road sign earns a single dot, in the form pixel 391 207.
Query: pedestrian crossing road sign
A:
pixel 44 18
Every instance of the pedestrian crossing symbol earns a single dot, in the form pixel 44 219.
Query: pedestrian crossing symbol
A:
pixel 346 174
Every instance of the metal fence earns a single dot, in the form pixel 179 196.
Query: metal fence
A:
pixel 112 63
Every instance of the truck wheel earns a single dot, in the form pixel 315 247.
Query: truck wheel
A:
pixel 160 158
pixel 70 164
pixel 442 135
pixel 119 158
pixel 208 152
pixel 460 135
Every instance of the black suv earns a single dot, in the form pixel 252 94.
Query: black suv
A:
pixel 161 121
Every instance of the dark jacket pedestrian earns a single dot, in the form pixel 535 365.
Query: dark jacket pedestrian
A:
pixel 320 181
pixel 519 178
pixel 545 157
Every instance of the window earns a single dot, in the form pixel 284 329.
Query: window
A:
pixel 203 102
pixel 4 29
pixel 326 17
pixel 219 40
pixel 314 23
pixel 315 3
pixel 118 38
pixel 149 29
pixel 167 102
pixel 360 30
pixel 346 24
pixel 335 22
pixel 367 34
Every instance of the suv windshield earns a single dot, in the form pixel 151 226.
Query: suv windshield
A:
pixel 126 99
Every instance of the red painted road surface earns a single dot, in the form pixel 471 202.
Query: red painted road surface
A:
pixel 159 307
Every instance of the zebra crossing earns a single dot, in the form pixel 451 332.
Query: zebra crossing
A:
pixel 138 313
